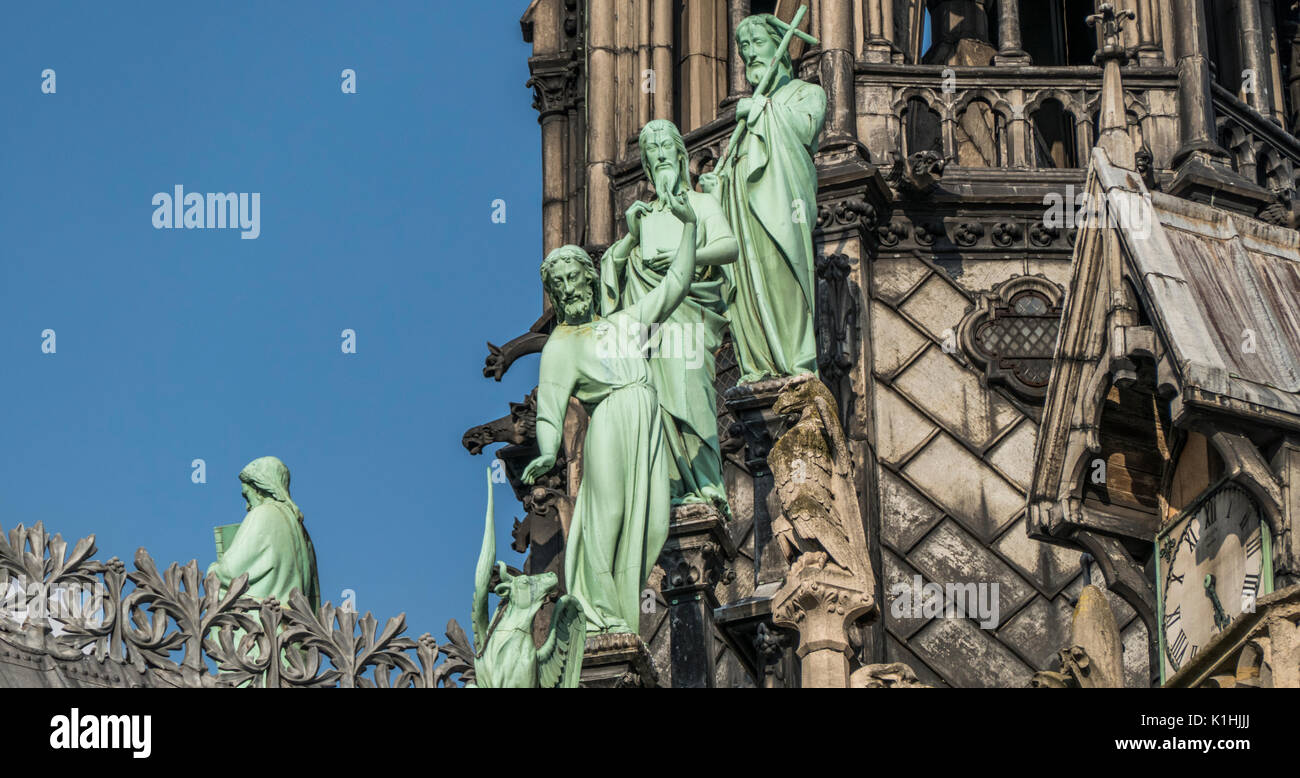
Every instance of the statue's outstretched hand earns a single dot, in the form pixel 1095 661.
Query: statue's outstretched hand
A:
pixel 537 468
pixel 709 183
pixel 681 208
pixel 634 214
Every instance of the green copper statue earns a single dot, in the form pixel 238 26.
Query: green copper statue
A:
pixel 505 655
pixel 768 187
pixel 271 545
pixel 681 351
pixel 620 519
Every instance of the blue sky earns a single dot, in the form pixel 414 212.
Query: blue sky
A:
pixel 180 344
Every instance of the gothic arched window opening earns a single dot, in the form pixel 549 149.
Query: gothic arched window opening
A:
pixel 1056 32
pixel 1054 136
pixel 1286 30
pixel 1131 120
pixel 926 37
pixel 980 135
pixel 1225 44
pixel 923 128
pixel 1262 171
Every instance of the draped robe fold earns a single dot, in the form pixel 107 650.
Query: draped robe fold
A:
pixel 620 517
pixel 682 362
pixel 273 548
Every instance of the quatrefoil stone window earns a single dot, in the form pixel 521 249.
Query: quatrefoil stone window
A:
pixel 1011 334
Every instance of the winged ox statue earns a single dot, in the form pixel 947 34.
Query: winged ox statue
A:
pixel 506 656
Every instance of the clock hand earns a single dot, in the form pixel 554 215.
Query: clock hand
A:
pixel 1221 620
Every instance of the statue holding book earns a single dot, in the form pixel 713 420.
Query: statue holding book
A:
pixel 271 544
pixel 681 351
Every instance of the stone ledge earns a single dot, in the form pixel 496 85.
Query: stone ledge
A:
pixel 617 660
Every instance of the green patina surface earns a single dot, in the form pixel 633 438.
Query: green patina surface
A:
pixel 681 353
pixel 768 188
pixel 620 519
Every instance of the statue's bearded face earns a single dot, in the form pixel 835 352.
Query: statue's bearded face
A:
pixel 571 290
pixel 659 149
pixel 251 497
pixel 757 48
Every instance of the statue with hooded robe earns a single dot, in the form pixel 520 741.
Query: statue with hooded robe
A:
pixel 271 544
pixel 768 188
pixel 620 517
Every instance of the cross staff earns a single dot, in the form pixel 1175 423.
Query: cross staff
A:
pixel 765 83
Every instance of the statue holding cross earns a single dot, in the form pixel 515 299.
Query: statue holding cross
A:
pixel 767 183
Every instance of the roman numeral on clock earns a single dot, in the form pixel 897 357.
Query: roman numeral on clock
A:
pixel 1179 647
pixel 1251 586
pixel 1172 618
pixel 1254 545
pixel 1190 536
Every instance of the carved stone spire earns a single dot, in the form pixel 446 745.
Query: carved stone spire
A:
pixel 1114 138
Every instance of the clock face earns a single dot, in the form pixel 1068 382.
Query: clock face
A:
pixel 1213 564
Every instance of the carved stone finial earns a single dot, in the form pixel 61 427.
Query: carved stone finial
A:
pixel 1094 658
pixel 1095 633
pixel 1110 24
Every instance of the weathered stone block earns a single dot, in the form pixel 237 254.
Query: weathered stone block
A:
pixel 960 484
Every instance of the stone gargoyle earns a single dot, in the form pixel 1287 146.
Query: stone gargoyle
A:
pixel 918 174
